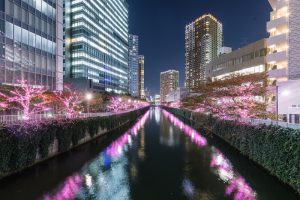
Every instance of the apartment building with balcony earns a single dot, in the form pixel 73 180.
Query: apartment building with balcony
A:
pixel 169 82
pixel 284 58
pixel 203 40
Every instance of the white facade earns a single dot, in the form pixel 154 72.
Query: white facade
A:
pixel 177 95
pixel 284 56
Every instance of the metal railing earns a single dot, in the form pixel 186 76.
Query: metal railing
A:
pixel 18 119
pixel 271 122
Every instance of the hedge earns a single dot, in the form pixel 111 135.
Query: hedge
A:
pixel 275 148
pixel 20 144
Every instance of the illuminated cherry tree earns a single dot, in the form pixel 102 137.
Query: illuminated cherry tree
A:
pixel 118 104
pixel 25 98
pixel 233 97
pixel 70 101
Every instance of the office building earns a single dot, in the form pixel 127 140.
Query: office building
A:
pixel 169 82
pixel 31 43
pixel 141 77
pixel 249 59
pixel 284 58
pixel 133 65
pixel 96 44
pixel 177 95
pixel 203 39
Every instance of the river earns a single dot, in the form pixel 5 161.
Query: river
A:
pixel 159 157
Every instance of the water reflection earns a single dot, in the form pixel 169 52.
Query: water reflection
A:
pixel 104 178
pixel 236 184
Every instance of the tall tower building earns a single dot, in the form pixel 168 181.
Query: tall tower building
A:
pixel 203 39
pixel 141 77
pixel 169 82
pixel 31 43
pixel 284 58
pixel 133 65
pixel 96 44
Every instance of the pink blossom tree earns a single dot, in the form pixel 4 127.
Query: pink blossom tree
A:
pixel 25 98
pixel 70 101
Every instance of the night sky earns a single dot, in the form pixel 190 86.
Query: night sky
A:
pixel 160 24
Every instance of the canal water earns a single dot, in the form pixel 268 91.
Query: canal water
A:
pixel 158 158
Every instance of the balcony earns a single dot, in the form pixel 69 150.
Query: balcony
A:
pixel 277 73
pixel 277 57
pixel 273 24
pixel 278 39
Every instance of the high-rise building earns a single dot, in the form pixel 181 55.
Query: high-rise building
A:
pixel 96 44
pixel 203 39
pixel 133 65
pixel 284 58
pixel 169 82
pixel 141 77
pixel 31 43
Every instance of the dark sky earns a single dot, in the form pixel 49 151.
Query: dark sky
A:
pixel 160 25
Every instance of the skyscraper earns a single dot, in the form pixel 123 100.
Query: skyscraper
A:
pixel 96 44
pixel 141 77
pixel 284 58
pixel 31 43
pixel 133 65
pixel 203 39
pixel 169 82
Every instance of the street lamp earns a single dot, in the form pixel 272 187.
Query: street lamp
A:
pixel 88 97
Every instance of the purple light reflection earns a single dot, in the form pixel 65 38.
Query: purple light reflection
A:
pixel 237 185
pixel 198 139
pixel 116 148
pixel 69 190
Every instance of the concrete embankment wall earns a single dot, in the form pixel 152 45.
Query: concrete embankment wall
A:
pixel 22 146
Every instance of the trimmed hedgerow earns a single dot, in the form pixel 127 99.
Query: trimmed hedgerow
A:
pixel 21 145
pixel 275 148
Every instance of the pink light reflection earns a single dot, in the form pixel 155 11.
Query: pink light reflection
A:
pixel 69 190
pixel 117 147
pixel 198 139
pixel 237 185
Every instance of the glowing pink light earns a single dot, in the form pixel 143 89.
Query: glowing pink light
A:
pixel 116 148
pixel 24 97
pixel 70 100
pixel 69 190
pixel 117 105
pixel 237 186
pixel 240 189
pixel 198 139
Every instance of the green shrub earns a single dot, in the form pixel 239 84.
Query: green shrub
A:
pixel 277 149
pixel 20 144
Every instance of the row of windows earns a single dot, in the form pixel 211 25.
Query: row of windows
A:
pixel 241 60
pixel 27 60
pixel 19 34
pixel 42 6
pixel 38 22
pixel 103 58
pixel 11 76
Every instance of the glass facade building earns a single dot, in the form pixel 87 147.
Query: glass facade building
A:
pixel 31 42
pixel 96 43
pixel 133 65
pixel 141 77
pixel 203 40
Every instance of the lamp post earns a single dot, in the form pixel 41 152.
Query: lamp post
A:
pixel 88 97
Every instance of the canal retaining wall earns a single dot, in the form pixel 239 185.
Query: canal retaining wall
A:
pixel 275 148
pixel 22 146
